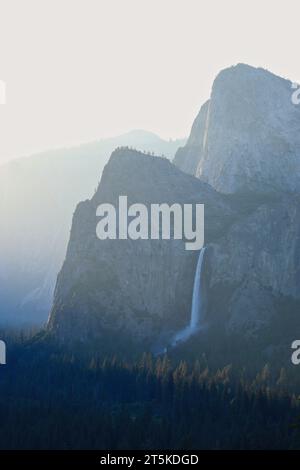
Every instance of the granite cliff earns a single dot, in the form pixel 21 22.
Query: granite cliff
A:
pixel 138 289
pixel 247 136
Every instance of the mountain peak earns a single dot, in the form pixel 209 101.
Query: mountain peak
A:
pixel 247 137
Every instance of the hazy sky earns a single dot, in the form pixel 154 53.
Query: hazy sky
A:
pixel 79 70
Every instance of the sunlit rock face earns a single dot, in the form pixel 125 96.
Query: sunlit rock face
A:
pixel 245 142
pixel 247 137
pixel 187 158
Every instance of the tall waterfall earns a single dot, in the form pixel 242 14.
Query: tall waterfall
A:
pixel 196 300
pixel 197 306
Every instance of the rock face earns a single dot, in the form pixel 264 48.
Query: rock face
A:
pixel 141 289
pixel 247 137
pixel 256 265
pixel 246 142
pixel 187 157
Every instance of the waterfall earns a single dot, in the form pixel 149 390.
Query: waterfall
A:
pixel 196 300
pixel 197 306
